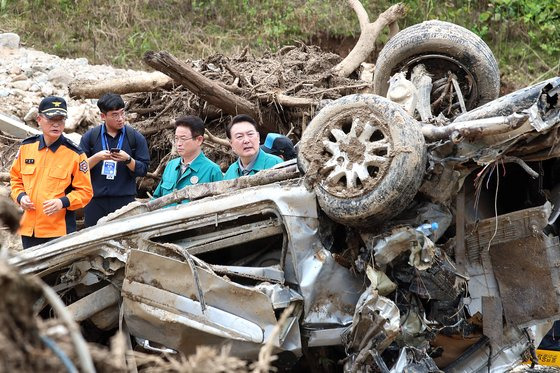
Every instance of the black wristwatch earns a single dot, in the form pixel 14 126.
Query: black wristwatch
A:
pixel 128 160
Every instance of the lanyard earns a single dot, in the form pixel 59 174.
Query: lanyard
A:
pixel 104 142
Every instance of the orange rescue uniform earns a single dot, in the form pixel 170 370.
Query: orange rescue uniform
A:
pixel 46 172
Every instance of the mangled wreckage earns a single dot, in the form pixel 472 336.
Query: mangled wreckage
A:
pixel 415 232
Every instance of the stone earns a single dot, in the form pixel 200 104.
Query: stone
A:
pixel 15 70
pixel 81 61
pixel 9 40
pixel 23 85
pixel 60 76
pixel 19 77
pixel 31 114
pixel 47 89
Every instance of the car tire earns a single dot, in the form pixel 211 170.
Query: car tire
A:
pixel 441 47
pixel 365 158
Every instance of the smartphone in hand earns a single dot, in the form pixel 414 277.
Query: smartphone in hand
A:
pixel 115 150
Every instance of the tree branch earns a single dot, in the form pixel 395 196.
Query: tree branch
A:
pixel 215 139
pixel 369 33
pixel 361 13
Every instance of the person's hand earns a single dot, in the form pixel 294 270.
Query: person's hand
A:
pixel 52 206
pixel 26 204
pixel 103 155
pixel 119 156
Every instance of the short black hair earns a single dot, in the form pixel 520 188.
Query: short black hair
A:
pixel 109 102
pixel 194 123
pixel 240 118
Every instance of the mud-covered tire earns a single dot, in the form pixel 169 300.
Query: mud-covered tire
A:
pixel 441 47
pixel 365 157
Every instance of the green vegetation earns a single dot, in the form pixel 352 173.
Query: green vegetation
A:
pixel 524 34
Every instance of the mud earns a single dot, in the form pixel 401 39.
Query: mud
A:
pixel 316 153
pixel 20 345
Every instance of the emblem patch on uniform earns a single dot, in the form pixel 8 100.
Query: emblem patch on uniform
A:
pixel 29 161
pixel 84 166
pixel 194 180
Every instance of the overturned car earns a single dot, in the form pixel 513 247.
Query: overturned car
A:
pixel 416 231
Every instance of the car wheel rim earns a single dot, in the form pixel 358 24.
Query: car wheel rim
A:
pixel 358 155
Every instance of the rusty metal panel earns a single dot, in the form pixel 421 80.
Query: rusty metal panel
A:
pixel 523 260
pixel 505 228
pixel 522 269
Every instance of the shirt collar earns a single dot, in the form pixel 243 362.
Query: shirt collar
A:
pixel 54 146
pixel 119 131
pixel 195 163
pixel 249 167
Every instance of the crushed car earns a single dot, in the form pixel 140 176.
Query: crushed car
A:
pixel 416 232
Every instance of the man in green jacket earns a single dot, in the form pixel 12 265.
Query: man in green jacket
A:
pixel 244 138
pixel 192 167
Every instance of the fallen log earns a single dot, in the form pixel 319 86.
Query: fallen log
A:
pixel 215 139
pixel 285 100
pixel 144 83
pixel 212 92
pixel 151 130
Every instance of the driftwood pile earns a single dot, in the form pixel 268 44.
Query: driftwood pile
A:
pixel 282 91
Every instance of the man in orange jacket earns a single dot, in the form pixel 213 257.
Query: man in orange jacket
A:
pixel 49 178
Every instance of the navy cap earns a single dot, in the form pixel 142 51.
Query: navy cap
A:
pixel 279 145
pixel 53 106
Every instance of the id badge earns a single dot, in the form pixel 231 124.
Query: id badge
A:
pixel 109 169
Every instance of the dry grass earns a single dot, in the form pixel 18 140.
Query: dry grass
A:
pixel 120 32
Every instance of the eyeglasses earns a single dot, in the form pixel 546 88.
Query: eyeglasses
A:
pixel 183 139
pixel 117 115
pixel 250 135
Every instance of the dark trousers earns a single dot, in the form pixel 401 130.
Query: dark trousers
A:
pixel 99 207
pixel 34 241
